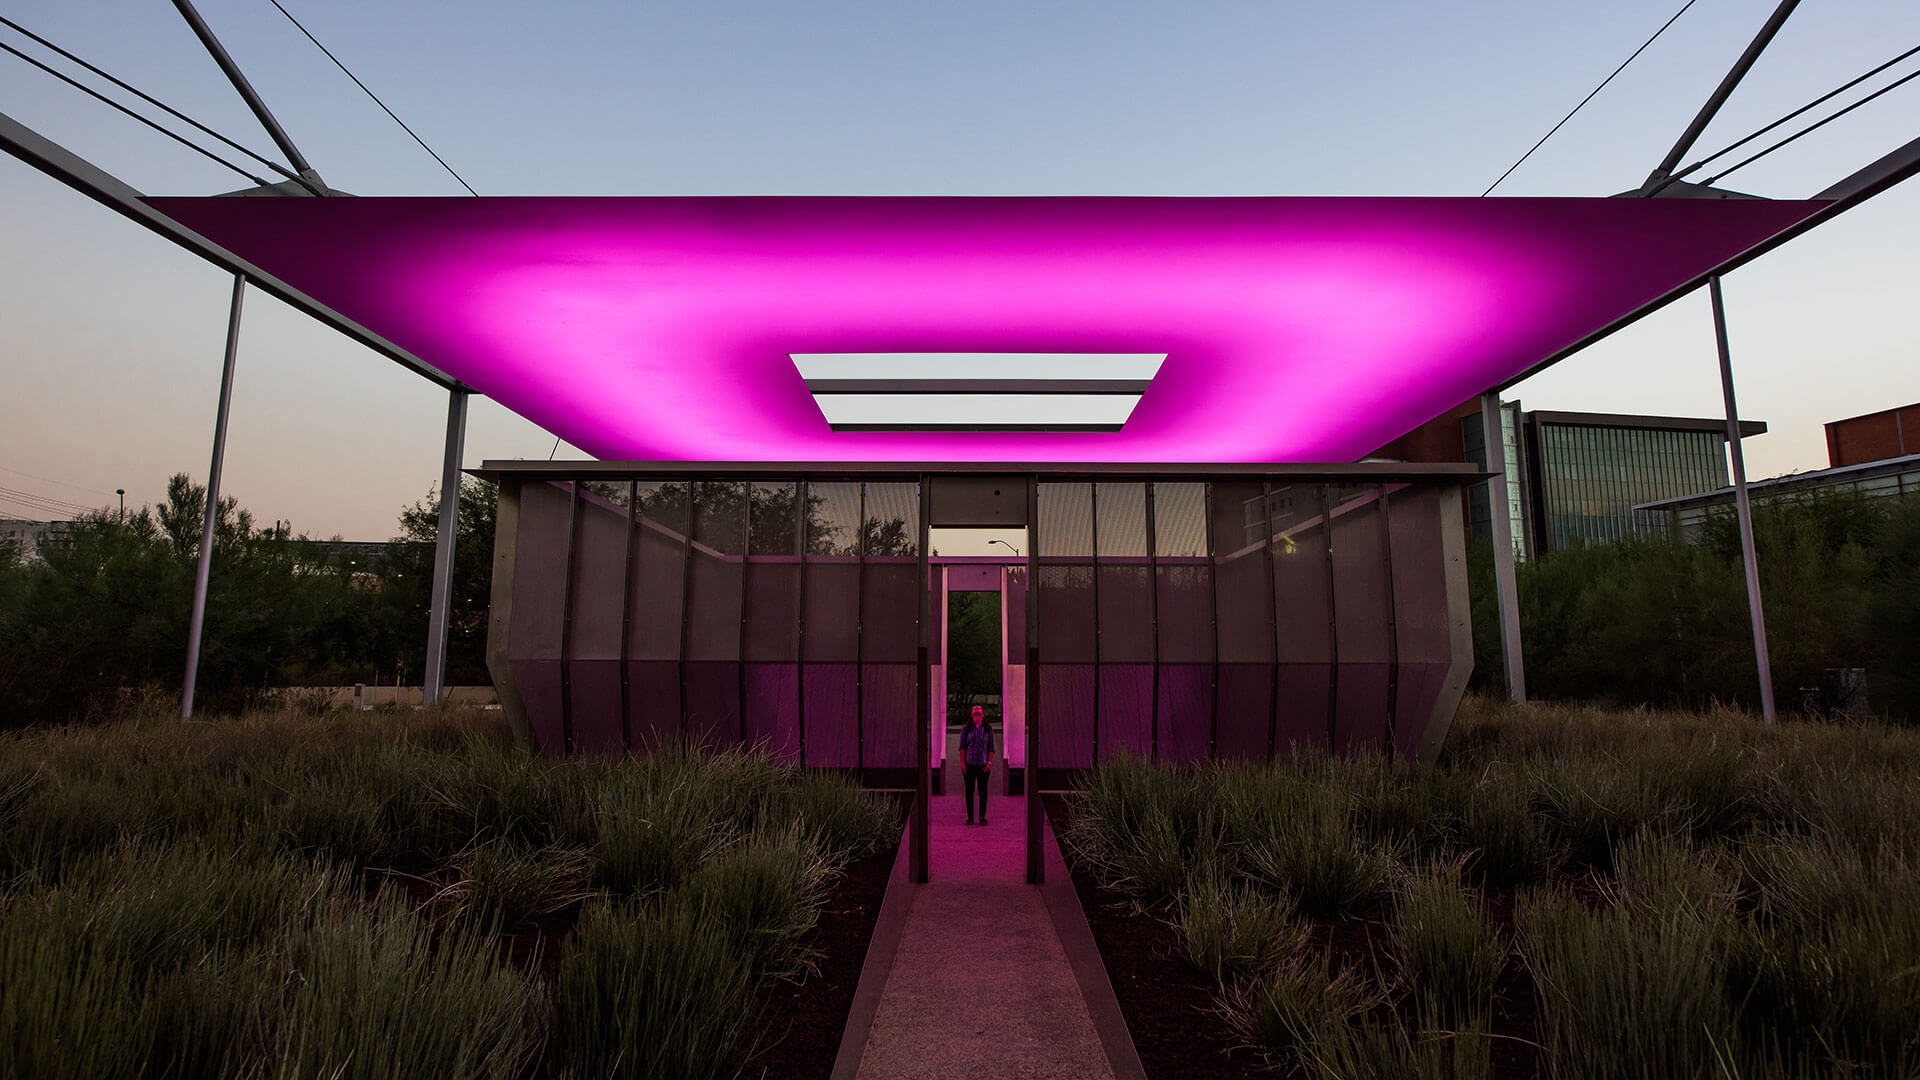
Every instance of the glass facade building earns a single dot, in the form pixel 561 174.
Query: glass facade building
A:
pixel 1588 477
pixel 1575 479
pixel 1893 478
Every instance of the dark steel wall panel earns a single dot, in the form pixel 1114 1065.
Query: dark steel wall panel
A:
pixel 888 701
pixel 1421 620
pixel 539 587
pixel 1363 619
pixel 1066 706
pixel 1196 620
pixel 833 729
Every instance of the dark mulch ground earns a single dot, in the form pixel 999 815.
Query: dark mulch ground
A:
pixel 1170 1008
pixel 806 1018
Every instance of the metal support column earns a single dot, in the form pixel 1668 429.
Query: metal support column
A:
pixel 438 610
pixel 1741 507
pixel 196 621
pixel 1505 588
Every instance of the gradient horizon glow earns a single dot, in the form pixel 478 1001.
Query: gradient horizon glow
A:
pixel 1295 329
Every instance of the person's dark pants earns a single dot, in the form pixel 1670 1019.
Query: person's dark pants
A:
pixel 976 777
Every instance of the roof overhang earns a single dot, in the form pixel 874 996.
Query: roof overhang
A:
pixel 1294 329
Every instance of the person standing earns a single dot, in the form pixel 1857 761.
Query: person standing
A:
pixel 976 756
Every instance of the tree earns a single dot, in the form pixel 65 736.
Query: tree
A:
pixel 973 646
pixel 406 584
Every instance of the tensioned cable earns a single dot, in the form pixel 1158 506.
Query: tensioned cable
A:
pixel 51 480
pixel 1813 127
pixel 155 125
pixel 150 99
pixel 42 502
pixel 1815 103
pixel 1589 97
pixel 374 96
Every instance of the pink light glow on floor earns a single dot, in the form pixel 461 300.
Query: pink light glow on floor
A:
pixel 1295 329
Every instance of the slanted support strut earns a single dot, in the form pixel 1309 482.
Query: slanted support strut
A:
pixel 439 611
pixel 1741 507
pixel 204 571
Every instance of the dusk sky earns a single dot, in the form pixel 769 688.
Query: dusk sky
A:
pixel 110 338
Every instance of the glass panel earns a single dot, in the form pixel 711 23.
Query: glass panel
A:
pixel 1122 520
pixel 1066 521
pixel 720 517
pixel 1180 519
pixel 1243 593
pixel 892 525
pixel 774 519
pixel 833 518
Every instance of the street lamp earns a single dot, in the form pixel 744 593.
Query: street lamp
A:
pixel 122 492
pixel 1004 544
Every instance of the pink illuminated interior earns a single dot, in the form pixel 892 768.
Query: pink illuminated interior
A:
pixel 1295 329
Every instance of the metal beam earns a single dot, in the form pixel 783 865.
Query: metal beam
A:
pixel 115 194
pixel 203 572
pixel 251 96
pixel 1505 587
pixel 1740 506
pixel 1877 177
pixel 438 610
pixel 1720 93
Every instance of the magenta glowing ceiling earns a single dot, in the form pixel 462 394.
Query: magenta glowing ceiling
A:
pixel 1294 329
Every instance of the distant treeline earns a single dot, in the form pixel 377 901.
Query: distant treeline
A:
pixel 1665 622
pixel 99 622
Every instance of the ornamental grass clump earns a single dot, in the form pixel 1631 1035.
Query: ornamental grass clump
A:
pixel 1316 858
pixel 1626 994
pixel 1450 956
pixel 380 996
pixel 311 894
pixel 1234 931
pixel 653 991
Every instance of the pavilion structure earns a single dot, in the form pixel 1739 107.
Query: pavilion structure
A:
pixel 784 396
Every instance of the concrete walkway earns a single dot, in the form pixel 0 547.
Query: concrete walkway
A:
pixel 980 986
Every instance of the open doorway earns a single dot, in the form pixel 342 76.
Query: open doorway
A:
pixel 970 583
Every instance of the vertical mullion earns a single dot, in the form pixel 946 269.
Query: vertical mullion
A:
pixel 686 607
pixel 803 512
pixel 860 637
pixel 566 620
pixel 740 644
pixel 1393 628
pixel 923 705
pixel 1153 617
pixel 1273 621
pixel 1213 618
pixel 1036 867
pixel 626 616
pixel 1093 521
pixel 1333 623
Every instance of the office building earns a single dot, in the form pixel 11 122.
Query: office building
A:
pixel 1576 479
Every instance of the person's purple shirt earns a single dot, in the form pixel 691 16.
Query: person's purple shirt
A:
pixel 976 744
